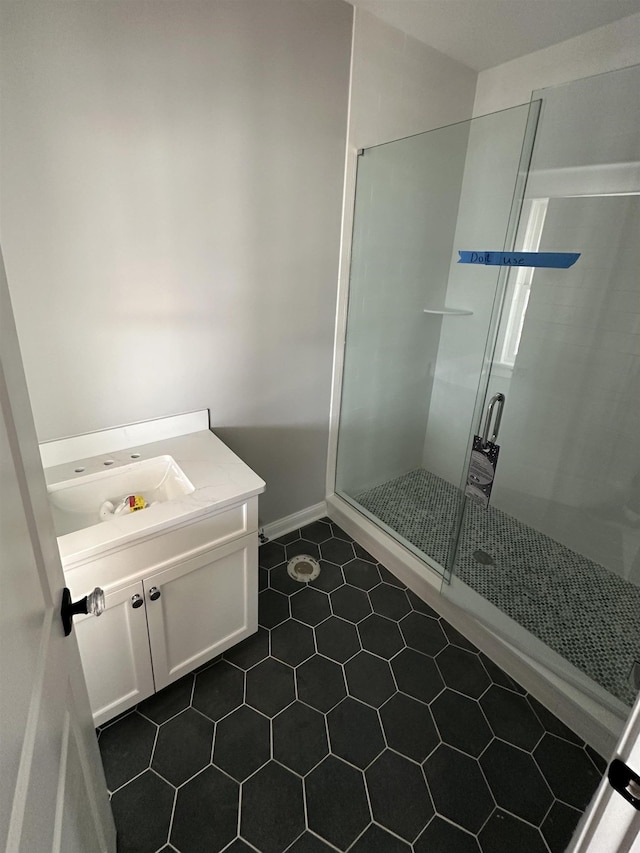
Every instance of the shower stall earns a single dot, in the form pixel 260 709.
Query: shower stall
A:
pixel 546 360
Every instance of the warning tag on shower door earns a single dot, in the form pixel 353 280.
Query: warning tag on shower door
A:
pixel 482 470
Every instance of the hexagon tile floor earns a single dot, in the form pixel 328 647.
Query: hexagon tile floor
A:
pixel 354 720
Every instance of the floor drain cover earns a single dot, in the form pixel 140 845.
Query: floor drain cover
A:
pixel 484 558
pixel 303 568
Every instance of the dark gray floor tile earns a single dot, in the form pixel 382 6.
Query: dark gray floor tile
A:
pixel 339 533
pixel 183 747
pixel 369 679
pixel 568 770
pixel 511 718
pixel 458 788
pixel 456 638
pixel 390 601
pixel 363 553
pixel 409 727
pixel 350 603
pixel 355 732
pixel 272 814
pixel 205 819
pixel 292 642
pixel 270 686
pixel 287 538
pixel 126 748
pixel 142 813
pixel 337 639
pixel 551 723
pixel 361 573
pixel 460 722
pixel 238 846
pixel 600 762
pixel 559 825
pixel 250 651
pixel 499 676
pixel 504 833
pixel 218 690
pixel 308 843
pixel 417 675
pixel 310 606
pixel 169 701
pixel 337 807
pixel 423 633
pixel 320 683
pixel 317 531
pixel 530 798
pixel 303 546
pixel 281 581
pixel 421 606
pixel 399 797
pixel 242 743
pixel 299 738
pixel 263 579
pixel 443 837
pixel 378 840
pixel 271 555
pixel 463 671
pixel 330 577
pixel 337 551
pixel 273 608
pixel 389 577
pixel 380 636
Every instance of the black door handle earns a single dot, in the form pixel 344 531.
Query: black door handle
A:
pixel 92 603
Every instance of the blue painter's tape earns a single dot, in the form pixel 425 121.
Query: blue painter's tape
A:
pixel 555 260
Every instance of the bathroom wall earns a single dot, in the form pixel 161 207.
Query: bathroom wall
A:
pixel 613 46
pixel 172 180
pixel 567 463
pixel 402 246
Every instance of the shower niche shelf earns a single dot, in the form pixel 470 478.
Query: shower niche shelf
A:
pixel 448 312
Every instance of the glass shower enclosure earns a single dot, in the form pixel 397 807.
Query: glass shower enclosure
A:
pixel 553 562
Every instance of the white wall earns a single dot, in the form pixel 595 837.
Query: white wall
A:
pixel 613 46
pixel 399 87
pixel 171 194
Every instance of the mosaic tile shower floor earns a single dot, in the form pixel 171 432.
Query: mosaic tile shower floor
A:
pixel 355 720
pixel 587 614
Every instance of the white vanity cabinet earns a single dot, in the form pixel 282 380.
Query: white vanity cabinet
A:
pixel 165 624
pixel 115 652
pixel 180 577
pixel 199 608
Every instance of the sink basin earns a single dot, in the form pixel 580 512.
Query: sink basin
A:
pixel 77 503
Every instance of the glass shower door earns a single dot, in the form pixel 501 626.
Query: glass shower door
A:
pixel 419 324
pixel 553 564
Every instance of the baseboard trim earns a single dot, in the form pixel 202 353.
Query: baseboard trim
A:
pixel 295 520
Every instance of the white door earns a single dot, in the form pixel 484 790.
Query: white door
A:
pixel 611 824
pixel 53 796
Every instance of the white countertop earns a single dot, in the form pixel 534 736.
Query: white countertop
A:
pixel 220 479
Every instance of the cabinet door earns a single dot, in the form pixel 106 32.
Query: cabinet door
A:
pixel 115 653
pixel 201 607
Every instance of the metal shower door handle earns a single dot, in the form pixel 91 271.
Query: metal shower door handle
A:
pixel 496 401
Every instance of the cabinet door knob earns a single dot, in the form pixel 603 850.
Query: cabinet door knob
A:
pixel 136 601
pixel 154 593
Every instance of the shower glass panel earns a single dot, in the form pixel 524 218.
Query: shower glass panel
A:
pixel 553 564
pixel 419 324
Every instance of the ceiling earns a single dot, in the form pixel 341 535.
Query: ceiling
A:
pixel 484 33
